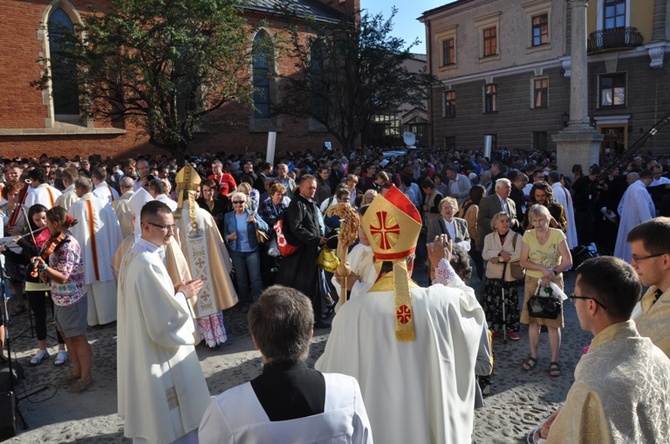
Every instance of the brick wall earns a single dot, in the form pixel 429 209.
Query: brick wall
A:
pixel 23 108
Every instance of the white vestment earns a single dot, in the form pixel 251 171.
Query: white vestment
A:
pixel 203 247
pixel 44 194
pixel 123 213
pixel 563 197
pixel 634 208
pixel 99 235
pixel 422 391
pixel 236 416
pixel 361 261
pixel 105 192
pixel 68 197
pixel 621 392
pixel 167 201
pixel 162 393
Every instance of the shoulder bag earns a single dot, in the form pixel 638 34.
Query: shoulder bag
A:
pixel 547 306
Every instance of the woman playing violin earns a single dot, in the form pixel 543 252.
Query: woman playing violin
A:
pixel 38 292
pixel 62 264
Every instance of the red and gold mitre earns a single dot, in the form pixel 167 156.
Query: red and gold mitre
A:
pixel 392 225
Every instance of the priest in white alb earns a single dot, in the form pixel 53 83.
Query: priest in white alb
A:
pixel 99 235
pixel 162 392
pixel 413 350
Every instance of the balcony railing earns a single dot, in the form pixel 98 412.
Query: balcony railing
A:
pixel 614 38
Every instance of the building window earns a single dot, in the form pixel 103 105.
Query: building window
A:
pixel 65 91
pixel 490 98
pixel 448 52
pixel 262 61
pixel 539 140
pixel 612 90
pixel 540 30
pixel 487 28
pixel 540 93
pixel 490 42
pixel 614 14
pixel 449 143
pixel 449 104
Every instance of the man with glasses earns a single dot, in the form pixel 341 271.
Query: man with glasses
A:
pixel 650 247
pixel 621 391
pixel 162 393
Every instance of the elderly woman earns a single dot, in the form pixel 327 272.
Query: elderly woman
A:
pixel 545 256
pixel 240 236
pixel 543 194
pixel 501 248
pixel 454 227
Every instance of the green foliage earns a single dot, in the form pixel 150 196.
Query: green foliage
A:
pixel 349 73
pixel 161 64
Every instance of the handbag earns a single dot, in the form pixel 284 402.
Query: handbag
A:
pixel 515 269
pixel 547 306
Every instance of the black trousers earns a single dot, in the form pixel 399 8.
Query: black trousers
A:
pixel 39 300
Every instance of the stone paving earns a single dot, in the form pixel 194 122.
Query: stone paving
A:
pixel 519 401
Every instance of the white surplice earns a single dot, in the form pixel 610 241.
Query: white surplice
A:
pixel 236 416
pixel 162 393
pixel 99 230
pixel 421 391
pixel 43 194
pixel 562 196
pixel 361 261
pixel 105 192
pixel 123 213
pixel 634 208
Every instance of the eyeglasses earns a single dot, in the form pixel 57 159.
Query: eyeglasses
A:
pixel 637 258
pixel 163 227
pixel 574 297
pixel 238 202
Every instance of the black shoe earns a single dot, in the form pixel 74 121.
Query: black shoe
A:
pixel 322 324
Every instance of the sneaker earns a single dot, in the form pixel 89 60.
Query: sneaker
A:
pixel 61 358
pixel 40 356
pixel 512 336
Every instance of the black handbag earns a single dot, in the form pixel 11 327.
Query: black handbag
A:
pixel 546 306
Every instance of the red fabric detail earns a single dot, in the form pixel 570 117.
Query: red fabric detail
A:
pixel 404 314
pixel 398 199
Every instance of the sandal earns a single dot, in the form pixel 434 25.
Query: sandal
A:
pixel 80 386
pixel 554 369
pixel 529 363
pixel 66 380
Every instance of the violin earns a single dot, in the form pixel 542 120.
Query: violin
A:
pixel 49 247
pixel 20 200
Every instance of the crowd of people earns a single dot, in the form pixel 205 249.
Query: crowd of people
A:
pixel 163 249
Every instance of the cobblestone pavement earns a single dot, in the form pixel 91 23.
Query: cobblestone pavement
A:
pixel 520 400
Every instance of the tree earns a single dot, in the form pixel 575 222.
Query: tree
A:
pixel 163 65
pixel 349 72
